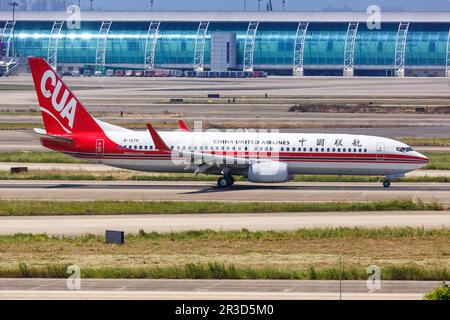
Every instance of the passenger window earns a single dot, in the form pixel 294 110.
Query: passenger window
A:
pixel 135 147
pixel 365 150
pixel 359 150
pixel 310 149
pixel 140 147
pixel 282 149
pixel 339 150
pixel 323 149
pixel 151 147
pixel 287 149
pixel 354 150
pixel 304 149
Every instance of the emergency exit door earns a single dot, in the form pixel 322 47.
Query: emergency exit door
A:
pixel 380 151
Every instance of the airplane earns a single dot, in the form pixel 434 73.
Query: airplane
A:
pixel 261 157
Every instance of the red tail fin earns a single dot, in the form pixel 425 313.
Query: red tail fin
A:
pixel 61 111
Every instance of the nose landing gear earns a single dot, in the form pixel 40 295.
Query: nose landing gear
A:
pixel 386 183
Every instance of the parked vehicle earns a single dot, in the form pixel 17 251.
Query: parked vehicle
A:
pixel 120 73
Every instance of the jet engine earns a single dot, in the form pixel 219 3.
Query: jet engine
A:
pixel 268 172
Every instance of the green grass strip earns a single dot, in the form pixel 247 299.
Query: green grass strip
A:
pixel 38 157
pixel 217 270
pixel 26 208
pixel 233 235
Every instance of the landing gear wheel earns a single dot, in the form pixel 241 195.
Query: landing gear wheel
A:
pixel 386 184
pixel 230 181
pixel 222 182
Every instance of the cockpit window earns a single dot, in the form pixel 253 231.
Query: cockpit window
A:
pixel 404 149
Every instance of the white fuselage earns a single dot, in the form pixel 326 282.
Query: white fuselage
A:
pixel 333 154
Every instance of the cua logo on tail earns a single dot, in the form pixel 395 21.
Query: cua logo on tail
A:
pixel 66 109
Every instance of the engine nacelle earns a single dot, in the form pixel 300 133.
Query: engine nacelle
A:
pixel 268 172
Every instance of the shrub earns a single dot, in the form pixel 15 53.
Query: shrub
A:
pixel 440 293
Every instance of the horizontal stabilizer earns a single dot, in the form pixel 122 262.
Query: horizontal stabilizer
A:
pixel 43 134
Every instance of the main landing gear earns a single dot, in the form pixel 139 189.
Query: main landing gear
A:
pixel 226 181
pixel 386 183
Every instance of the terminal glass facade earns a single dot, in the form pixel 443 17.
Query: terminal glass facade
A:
pixel 274 46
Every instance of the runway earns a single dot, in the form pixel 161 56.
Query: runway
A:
pixel 90 167
pixel 207 191
pixel 211 289
pixel 78 225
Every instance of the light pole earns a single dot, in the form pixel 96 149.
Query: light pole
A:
pixel 92 4
pixel 13 5
pixel 284 5
pixel 151 4
pixel 245 5
pixel 259 5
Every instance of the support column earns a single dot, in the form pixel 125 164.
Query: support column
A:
pixel 150 44
pixel 400 48
pixel 249 45
pixel 349 49
pixel 7 37
pixel 102 41
pixel 299 48
pixel 447 56
pixel 199 50
pixel 52 53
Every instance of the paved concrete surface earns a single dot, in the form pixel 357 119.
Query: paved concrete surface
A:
pixel 210 289
pixel 274 86
pixel 76 225
pixel 6 166
pixel 207 191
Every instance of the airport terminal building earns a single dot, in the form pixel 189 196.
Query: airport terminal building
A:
pixel 284 43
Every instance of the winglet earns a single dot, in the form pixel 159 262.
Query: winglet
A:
pixel 183 126
pixel 159 143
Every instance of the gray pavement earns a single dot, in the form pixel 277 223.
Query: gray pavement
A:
pixel 207 191
pixel 77 225
pixel 210 289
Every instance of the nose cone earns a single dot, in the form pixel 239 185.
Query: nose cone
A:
pixel 423 159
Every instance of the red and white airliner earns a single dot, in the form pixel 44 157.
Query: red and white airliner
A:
pixel 260 157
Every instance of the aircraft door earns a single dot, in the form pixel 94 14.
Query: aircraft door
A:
pixel 99 147
pixel 380 151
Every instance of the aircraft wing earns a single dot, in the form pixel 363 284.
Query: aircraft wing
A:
pixel 183 126
pixel 203 158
